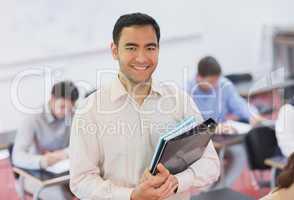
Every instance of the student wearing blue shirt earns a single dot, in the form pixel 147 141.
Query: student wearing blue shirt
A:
pixel 217 98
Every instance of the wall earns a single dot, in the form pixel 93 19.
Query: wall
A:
pixel 236 32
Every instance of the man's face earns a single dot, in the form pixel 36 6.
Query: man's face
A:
pixel 61 107
pixel 137 52
pixel 207 83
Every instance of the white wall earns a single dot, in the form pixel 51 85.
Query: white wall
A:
pixel 230 30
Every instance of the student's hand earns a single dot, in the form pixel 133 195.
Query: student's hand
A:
pixel 255 120
pixel 50 158
pixel 156 187
pixel 60 154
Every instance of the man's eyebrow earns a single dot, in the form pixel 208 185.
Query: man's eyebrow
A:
pixel 131 44
pixel 151 44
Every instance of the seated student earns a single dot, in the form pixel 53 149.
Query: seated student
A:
pixel 43 139
pixel 217 98
pixel 285 183
pixel 285 128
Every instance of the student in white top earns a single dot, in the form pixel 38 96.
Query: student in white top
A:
pixel 285 128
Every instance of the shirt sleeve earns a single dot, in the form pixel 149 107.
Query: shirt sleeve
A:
pixel 236 104
pixel 285 129
pixel 86 161
pixel 206 170
pixel 24 141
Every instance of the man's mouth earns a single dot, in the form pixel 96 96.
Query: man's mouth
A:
pixel 140 67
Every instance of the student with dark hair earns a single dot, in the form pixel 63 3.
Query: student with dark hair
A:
pixel 285 183
pixel 127 117
pixel 217 98
pixel 42 139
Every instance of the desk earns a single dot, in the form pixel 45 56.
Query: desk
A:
pixel 246 89
pixel 221 143
pixel 7 138
pixel 222 194
pixel 42 178
pixel 278 162
pixel 224 140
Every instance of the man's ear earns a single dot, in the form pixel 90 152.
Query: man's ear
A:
pixel 114 50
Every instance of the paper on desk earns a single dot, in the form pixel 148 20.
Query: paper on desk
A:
pixel 60 167
pixel 241 128
pixel 4 154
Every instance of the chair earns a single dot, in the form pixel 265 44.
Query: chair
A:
pixel 261 143
pixel 239 78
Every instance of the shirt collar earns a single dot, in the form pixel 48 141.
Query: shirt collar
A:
pixel 117 89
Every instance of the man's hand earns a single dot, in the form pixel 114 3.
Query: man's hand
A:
pixel 156 187
pixel 50 158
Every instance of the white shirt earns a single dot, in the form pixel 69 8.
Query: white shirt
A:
pixel 285 129
pixel 113 140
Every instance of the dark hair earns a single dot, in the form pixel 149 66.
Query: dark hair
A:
pixel 66 90
pixel 133 19
pixel 208 66
pixel 286 177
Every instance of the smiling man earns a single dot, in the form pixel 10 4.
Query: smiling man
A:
pixel 114 138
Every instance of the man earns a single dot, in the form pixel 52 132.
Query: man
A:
pixel 217 98
pixel 43 139
pixel 114 137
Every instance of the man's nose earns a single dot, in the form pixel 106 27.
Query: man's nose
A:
pixel 141 57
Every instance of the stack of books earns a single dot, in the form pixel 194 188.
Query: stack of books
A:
pixel 182 146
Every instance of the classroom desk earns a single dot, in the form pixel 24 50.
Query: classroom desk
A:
pixel 7 181
pixel 278 162
pixel 7 138
pixel 246 89
pixel 221 143
pixel 222 194
pixel 42 178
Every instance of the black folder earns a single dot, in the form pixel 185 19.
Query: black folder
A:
pixel 178 153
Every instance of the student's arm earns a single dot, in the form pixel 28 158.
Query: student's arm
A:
pixel 285 129
pixel 23 142
pixel 205 171
pixel 236 104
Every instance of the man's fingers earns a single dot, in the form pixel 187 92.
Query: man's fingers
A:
pixel 156 181
pixel 165 187
pixel 162 170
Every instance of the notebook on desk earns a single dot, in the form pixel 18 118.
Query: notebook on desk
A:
pixel 182 146
pixel 59 167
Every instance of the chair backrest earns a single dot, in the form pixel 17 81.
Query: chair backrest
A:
pixel 239 78
pixel 261 143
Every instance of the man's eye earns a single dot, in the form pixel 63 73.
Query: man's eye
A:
pixel 131 48
pixel 151 48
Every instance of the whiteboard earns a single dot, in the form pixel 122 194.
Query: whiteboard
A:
pixel 41 29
